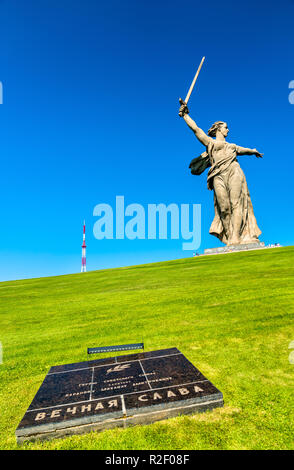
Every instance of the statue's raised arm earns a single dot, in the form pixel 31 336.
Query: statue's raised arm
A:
pixel 200 134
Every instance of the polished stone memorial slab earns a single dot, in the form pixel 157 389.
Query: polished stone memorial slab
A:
pixel 118 391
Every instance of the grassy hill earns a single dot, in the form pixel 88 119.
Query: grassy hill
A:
pixel 231 315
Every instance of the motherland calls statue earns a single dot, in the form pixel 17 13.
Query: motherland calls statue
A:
pixel 234 222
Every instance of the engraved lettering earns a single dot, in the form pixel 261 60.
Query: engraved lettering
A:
pixel 55 413
pixel 112 403
pixel 86 408
pixel 99 406
pixel 141 398
pixel 156 396
pixel 72 410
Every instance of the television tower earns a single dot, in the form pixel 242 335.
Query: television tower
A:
pixel 83 267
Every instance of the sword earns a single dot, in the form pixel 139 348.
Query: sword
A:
pixel 192 86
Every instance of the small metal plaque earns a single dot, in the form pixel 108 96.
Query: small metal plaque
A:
pixel 121 347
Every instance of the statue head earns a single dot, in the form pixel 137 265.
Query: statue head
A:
pixel 219 127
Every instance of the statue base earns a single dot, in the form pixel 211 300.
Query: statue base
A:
pixel 234 248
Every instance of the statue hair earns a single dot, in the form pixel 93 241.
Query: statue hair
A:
pixel 212 131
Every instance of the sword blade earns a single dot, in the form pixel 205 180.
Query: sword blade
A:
pixel 194 81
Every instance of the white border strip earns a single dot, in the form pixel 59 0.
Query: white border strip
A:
pixel 145 375
pixel 92 380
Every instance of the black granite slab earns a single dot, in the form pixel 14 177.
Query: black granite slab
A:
pixel 117 391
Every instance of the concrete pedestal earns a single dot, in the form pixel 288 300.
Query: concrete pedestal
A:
pixel 234 248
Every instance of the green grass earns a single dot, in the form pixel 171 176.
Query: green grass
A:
pixel 231 315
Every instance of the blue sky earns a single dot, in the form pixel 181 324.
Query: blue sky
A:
pixel 90 111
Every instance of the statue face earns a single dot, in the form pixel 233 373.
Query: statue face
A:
pixel 224 129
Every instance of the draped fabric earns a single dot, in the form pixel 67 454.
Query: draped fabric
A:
pixel 198 165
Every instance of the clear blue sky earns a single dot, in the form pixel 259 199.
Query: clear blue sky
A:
pixel 90 111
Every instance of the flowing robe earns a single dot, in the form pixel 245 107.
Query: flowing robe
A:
pixel 226 172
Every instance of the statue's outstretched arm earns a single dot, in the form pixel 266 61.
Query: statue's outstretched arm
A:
pixel 246 151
